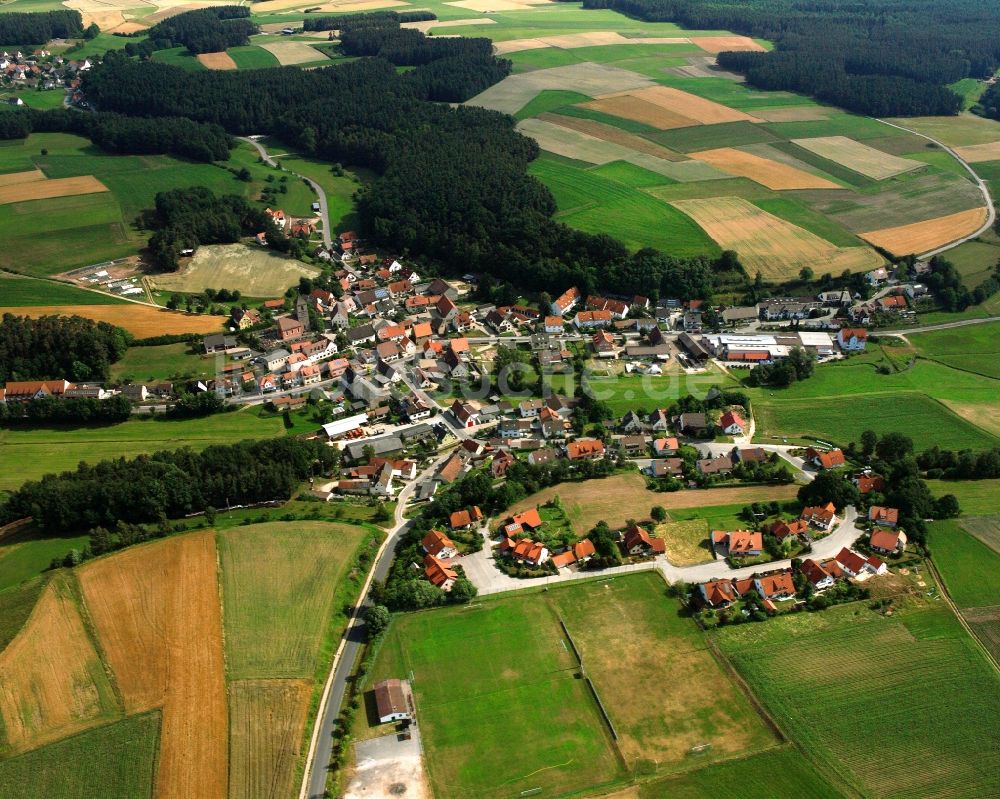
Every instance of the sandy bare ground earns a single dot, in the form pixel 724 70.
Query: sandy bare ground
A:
pixel 293 52
pixel 920 237
pixel 221 60
pixel 975 153
pixel 859 157
pixel 768 244
pixel 716 44
pixel 156 611
pixel 47 189
pixel 768 173
pixel 17 178
pixel 515 91
pixel 387 768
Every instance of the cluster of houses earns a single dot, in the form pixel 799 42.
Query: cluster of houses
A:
pixel 41 69
pixel 293 227
pixel 779 586
pixel 28 390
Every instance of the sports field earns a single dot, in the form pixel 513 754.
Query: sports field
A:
pixel 155 609
pixel 253 271
pixel 29 454
pixel 142 321
pixel 848 677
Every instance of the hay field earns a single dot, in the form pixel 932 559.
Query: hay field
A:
pixel 252 270
pixel 278 584
pixel 770 245
pixel 716 44
pixel 17 178
pixel 974 153
pixel 267 720
pixel 491 6
pixel 217 60
pixel 140 320
pixel 631 107
pixel 572 41
pixel 47 189
pixel 512 93
pixel 691 700
pixel 858 157
pixel 686 540
pixel 773 174
pixel 425 26
pixel 610 133
pixel 156 611
pixel 698 109
pixel 921 237
pixel 986 529
pixel 289 53
pixel 53 683
pixel 795 113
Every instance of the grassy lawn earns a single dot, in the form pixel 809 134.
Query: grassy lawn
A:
pixel 17 290
pixel 847 677
pixel 977 497
pixel 970 569
pixel 116 761
pixel 29 454
pixel 25 554
pixel 512 688
pixel 687 541
pixel 278 585
pixel 162 362
pixel 693 702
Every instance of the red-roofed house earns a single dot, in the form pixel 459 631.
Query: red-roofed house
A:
pixel 463 519
pixel 529 520
pixel 782 529
pixel 739 543
pixel 852 339
pixel 825 460
pixel 851 562
pixel 439 574
pixel 888 542
pixel 638 541
pixel 776 586
pixel 820 517
pixel 438 545
pixel 718 593
pixel 565 301
pixel 867 483
pixel 531 552
pixel 732 424
pixel 887 517
pixel 818 577
pixel 589 449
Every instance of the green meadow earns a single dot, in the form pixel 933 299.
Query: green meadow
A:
pixel 18 290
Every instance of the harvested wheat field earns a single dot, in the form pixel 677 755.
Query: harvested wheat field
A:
pixel 53 682
pixel 221 60
pixel 47 189
pixel 683 104
pixel 142 321
pixel 716 44
pixel 858 157
pixel 610 133
pixel 768 173
pixel 571 143
pixel 770 245
pixel 289 53
pixel 425 26
pixel 975 153
pixel 267 719
pixel 358 5
pixel 922 237
pixel 630 107
pixel 156 611
pixel 17 178
pixel 172 11
pixel 794 113
pixel 572 41
pixel 702 66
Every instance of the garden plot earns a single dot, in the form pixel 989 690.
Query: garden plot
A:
pixel 773 174
pixel 858 157
pixel 921 237
pixel 512 93
pixel 770 245
pixel 610 133
pixel 289 53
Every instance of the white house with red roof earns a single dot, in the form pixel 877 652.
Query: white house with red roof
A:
pixel 852 339
pixel 732 424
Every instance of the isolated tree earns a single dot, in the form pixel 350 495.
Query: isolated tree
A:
pixel 377 620
pixel 658 513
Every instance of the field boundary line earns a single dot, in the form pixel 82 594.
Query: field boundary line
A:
pixel 958 614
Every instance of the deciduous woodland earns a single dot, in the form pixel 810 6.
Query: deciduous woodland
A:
pixel 461 197
pixel 887 58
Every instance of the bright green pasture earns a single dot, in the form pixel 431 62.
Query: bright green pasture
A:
pixel 973 348
pixel 162 362
pixel 16 605
pixel 25 291
pixel 252 57
pixel 976 497
pixel 27 554
pixel 849 676
pixel 970 569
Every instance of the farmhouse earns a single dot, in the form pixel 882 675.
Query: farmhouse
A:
pixel 393 700
pixel 438 572
pixel 888 517
pixel 638 541
pixel 438 545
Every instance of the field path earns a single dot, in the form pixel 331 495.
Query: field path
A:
pixel 991 213
pixel 323 212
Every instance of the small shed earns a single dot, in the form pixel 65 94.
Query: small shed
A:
pixel 394 701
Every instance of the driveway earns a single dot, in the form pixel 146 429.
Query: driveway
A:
pixel 389 767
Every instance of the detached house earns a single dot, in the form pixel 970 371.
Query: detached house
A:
pixel 887 517
pixel 439 574
pixel 732 424
pixel 820 517
pixel 718 593
pixel 464 519
pixel 438 545
pixel 775 586
pixel 565 302
pixel 852 339
pixel 738 543
pixel 638 541
pixel 819 578
pixel 829 459
pixel 585 449
pixel 887 542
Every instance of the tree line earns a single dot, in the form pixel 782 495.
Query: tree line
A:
pixel 883 58
pixel 187 218
pixel 75 410
pixel 336 22
pixel 58 347
pixel 168 485
pixel 964 465
pixel 205 30
pixel 38 27
pixel 121 134
pixel 461 198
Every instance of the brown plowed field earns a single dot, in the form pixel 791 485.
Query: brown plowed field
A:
pixel 140 320
pixel 221 60
pixel 53 683
pixel 768 173
pixel 612 134
pixel 921 237
pixel 47 189
pixel 156 611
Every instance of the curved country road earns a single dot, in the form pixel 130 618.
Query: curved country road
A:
pixel 324 213
pixel 991 213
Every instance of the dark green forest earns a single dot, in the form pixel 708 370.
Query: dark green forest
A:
pixel 206 30
pixel 39 27
pixel 58 347
pixel 881 58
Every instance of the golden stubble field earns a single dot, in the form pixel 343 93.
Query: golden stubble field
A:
pixel 140 320
pixel 921 237
pixel 156 612
pixel 47 189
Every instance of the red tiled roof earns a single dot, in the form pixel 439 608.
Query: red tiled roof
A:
pixel 879 514
pixel 884 539
pixel 529 519
pixel 436 541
